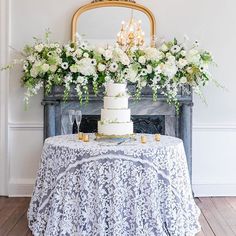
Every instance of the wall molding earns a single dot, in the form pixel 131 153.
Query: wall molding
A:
pixel 25 125
pixel 214 190
pixel 214 127
pixel 4 91
pixel 21 187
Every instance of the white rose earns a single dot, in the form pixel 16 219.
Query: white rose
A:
pixel 53 68
pixel 79 52
pixel 58 50
pixel 183 53
pixel 183 80
pixel 149 69
pixel 33 72
pixel 182 63
pixel 190 70
pixel 143 83
pixel 31 58
pixel 107 54
pixel 101 67
pixel 80 79
pixel 86 55
pixel 39 47
pixel 100 50
pixel 142 60
pixel 45 67
pixel 74 68
pixel 164 47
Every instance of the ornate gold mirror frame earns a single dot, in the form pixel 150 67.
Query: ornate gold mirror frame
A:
pixel 113 3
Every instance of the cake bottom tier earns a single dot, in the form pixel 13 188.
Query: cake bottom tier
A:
pixel 115 128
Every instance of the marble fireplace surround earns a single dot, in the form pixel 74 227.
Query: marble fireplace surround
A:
pixel 142 111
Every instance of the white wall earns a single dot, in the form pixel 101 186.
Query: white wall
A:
pixel 214 133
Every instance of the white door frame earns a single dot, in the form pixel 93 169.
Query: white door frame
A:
pixel 4 55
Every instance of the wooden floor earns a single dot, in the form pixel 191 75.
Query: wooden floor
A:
pixel 218 216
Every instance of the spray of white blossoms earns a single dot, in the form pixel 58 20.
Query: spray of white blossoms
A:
pixel 167 69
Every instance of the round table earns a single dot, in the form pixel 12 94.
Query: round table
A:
pixel 99 188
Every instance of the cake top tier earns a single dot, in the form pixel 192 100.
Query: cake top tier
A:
pixel 116 90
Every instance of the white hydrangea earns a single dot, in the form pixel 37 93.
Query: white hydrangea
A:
pixel 85 67
pixel 169 70
pixel 193 56
pixel 119 55
pixel 152 54
pixel 131 75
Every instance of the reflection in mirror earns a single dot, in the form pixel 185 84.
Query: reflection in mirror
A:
pixel 101 26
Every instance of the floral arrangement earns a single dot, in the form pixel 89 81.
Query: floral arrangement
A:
pixel 167 68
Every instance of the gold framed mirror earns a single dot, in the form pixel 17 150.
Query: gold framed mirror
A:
pixel 102 20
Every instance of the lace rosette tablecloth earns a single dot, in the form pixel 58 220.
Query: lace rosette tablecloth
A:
pixel 132 189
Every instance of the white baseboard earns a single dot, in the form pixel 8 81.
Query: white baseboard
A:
pixel 21 187
pixel 214 190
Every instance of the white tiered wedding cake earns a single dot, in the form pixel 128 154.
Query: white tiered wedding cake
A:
pixel 115 116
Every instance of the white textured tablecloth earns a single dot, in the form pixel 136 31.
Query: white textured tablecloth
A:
pixel 133 189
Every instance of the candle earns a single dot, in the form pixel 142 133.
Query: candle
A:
pixel 158 137
pixel 85 138
pixel 80 134
pixel 143 139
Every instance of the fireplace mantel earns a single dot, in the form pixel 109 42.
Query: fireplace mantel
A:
pixel 144 112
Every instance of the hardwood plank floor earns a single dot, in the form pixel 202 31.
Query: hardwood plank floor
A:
pixel 218 216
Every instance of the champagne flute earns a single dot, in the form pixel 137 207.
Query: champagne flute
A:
pixel 71 118
pixel 78 117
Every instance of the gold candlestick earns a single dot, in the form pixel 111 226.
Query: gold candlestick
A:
pixel 85 138
pixel 80 135
pixel 157 137
pixel 143 139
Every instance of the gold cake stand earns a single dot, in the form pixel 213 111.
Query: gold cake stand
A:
pixel 102 136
